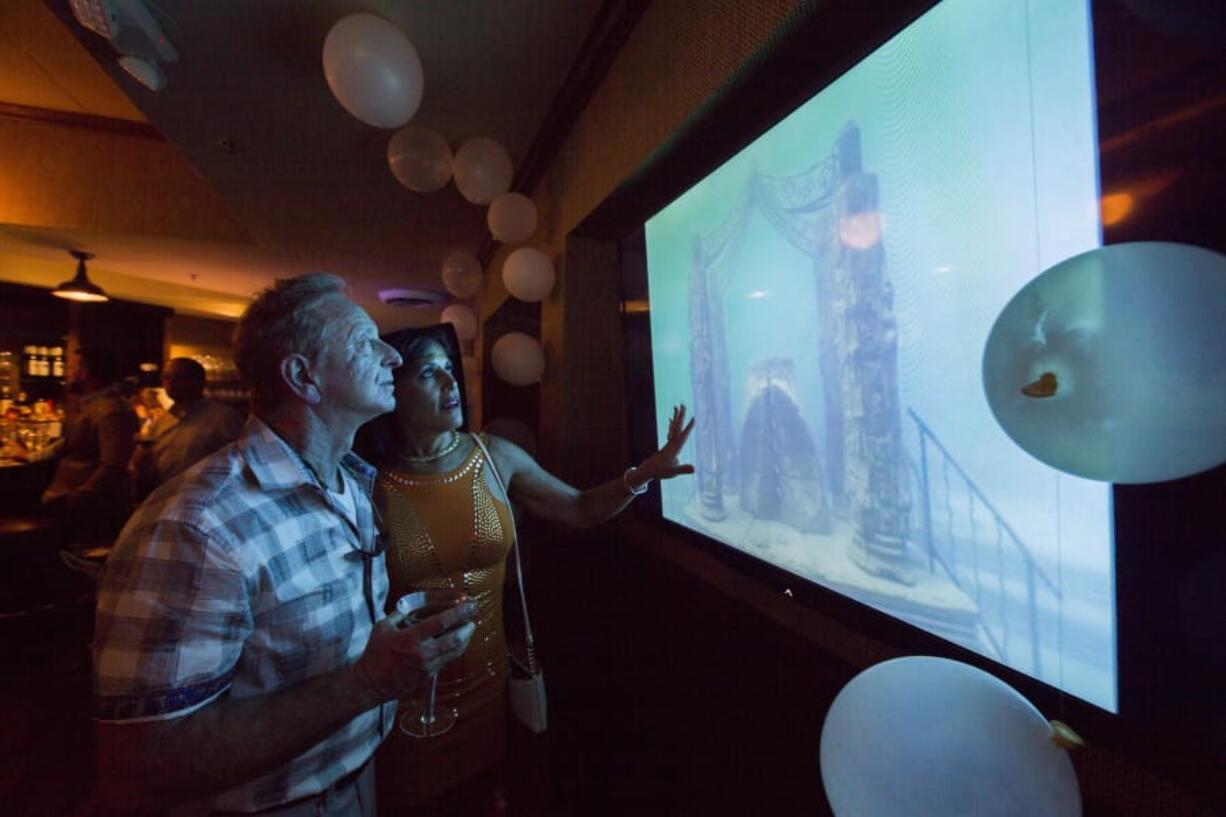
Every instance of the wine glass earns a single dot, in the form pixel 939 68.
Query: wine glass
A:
pixel 424 719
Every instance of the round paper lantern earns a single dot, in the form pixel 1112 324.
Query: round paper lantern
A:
pixel 462 274
pixel 419 158
pixel 482 170
pixel 512 218
pixel 462 318
pixel 1111 365
pixel 929 737
pixel 518 359
pixel 528 274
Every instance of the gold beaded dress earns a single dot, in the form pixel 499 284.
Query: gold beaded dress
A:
pixel 449 531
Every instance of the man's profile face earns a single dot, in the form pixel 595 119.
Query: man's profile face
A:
pixel 79 378
pixel 354 370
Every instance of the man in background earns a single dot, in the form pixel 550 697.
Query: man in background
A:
pixel 190 430
pixel 90 490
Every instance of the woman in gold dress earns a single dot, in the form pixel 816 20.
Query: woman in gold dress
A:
pixel 449 526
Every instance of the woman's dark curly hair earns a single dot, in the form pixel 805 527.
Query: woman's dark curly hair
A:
pixel 380 442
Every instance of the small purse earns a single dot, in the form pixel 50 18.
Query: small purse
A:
pixel 527 684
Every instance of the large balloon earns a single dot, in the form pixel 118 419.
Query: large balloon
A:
pixel 929 737
pixel 419 158
pixel 462 318
pixel 1111 365
pixel 528 274
pixel 512 218
pixel 518 359
pixel 482 170
pixel 373 70
pixel 462 274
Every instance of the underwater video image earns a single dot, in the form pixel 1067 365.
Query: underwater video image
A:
pixel 821 301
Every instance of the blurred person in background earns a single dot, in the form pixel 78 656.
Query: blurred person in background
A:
pixel 90 491
pixel 190 430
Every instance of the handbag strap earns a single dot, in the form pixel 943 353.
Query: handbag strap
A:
pixel 519 569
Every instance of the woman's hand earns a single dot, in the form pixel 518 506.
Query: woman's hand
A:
pixel 664 463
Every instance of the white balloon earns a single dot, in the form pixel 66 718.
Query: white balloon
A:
pixel 512 218
pixel 518 359
pixel 373 70
pixel 929 737
pixel 1111 365
pixel 462 318
pixel 528 274
pixel 462 274
pixel 419 158
pixel 482 170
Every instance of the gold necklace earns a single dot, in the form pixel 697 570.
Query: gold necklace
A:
pixel 438 455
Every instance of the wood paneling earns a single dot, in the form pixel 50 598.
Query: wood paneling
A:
pixel 583 408
pixel 65 176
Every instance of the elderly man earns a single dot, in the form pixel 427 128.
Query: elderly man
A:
pixel 193 428
pixel 242 663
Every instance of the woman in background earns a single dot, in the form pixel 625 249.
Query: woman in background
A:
pixel 449 526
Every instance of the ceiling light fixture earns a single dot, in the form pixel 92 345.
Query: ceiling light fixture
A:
pixel 80 288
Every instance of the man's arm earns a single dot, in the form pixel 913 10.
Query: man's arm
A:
pixel 150 766
pixel 142 470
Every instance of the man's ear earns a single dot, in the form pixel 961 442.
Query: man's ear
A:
pixel 299 378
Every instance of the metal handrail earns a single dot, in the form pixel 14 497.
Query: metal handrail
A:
pixel 1032 568
pixel 970 483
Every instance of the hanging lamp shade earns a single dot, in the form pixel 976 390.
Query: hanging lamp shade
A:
pixel 80 288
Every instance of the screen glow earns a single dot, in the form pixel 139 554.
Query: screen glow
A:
pixel 821 301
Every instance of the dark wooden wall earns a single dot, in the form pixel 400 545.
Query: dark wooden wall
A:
pixel 31 315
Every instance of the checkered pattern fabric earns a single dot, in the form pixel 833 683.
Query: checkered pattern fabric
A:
pixel 242 577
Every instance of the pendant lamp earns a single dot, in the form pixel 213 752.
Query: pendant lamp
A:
pixel 80 289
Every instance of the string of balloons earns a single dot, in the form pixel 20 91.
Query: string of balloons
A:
pixel 376 74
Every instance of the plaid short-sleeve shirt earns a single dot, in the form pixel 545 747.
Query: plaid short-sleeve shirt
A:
pixel 241 577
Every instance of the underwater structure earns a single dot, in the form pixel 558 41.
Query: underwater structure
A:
pixel 781 474
pixel 830 212
pixel 866 339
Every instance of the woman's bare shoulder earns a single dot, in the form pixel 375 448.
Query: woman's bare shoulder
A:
pixel 508 455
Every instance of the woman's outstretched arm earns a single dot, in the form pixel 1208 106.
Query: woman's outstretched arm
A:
pixel 546 496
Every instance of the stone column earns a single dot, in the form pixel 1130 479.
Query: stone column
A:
pixel 878 496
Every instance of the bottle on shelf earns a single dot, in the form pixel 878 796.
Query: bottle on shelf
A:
pixel 57 362
pixel 29 366
pixel 9 374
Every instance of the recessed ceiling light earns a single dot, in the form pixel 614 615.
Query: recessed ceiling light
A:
pixel 410 298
